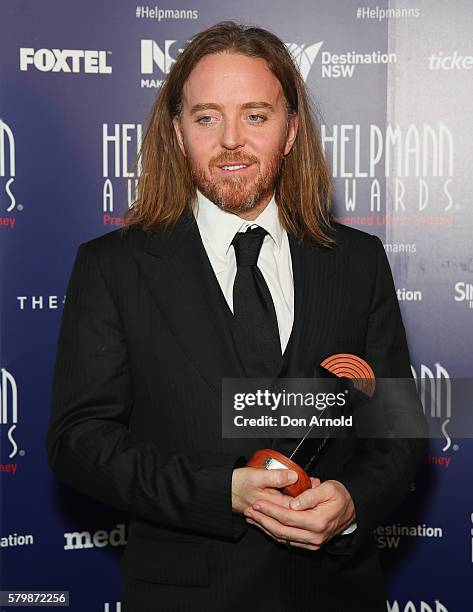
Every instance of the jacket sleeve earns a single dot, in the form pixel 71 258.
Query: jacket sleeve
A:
pixel 88 441
pixel 379 475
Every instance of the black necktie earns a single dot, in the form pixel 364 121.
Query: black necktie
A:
pixel 253 306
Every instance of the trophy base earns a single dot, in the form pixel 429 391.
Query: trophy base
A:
pixel 271 459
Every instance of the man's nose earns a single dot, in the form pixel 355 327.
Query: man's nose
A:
pixel 232 133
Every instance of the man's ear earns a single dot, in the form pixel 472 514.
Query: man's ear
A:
pixel 180 137
pixel 292 126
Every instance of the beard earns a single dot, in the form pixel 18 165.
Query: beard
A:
pixel 236 192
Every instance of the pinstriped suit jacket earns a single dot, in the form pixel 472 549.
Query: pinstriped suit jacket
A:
pixel 135 421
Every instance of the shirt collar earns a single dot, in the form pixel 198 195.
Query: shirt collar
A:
pixel 218 227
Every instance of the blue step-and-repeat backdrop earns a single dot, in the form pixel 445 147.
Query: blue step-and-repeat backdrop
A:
pixel 393 85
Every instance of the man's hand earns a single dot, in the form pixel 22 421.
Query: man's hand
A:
pixel 310 519
pixel 250 484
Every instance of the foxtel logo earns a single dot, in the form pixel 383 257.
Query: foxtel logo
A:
pixel 65 60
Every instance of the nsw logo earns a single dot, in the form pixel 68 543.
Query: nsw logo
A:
pixel 304 56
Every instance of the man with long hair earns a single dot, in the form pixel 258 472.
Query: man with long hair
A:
pixel 230 265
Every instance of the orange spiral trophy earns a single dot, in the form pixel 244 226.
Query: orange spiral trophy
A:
pixel 341 365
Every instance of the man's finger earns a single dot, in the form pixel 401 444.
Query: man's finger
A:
pixel 311 498
pixel 308 546
pixel 273 496
pixel 280 540
pixel 289 517
pixel 274 478
pixel 278 530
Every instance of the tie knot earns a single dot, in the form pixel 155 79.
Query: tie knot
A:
pixel 248 245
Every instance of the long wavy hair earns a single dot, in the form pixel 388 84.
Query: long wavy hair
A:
pixel 165 186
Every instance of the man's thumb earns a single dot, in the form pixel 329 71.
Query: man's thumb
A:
pixel 281 478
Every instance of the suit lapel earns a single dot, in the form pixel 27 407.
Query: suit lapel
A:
pixel 318 280
pixel 317 273
pixel 180 277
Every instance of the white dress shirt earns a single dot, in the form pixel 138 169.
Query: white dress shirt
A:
pixel 217 229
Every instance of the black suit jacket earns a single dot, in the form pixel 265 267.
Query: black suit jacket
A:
pixel 136 419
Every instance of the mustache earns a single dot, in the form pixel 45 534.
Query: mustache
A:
pixel 240 159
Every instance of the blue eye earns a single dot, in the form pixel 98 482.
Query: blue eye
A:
pixel 258 119
pixel 260 116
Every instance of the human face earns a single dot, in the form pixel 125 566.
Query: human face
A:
pixel 234 112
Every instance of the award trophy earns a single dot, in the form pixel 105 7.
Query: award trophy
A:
pixel 302 458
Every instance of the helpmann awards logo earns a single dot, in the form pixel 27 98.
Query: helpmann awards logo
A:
pixel 435 391
pixel 9 418
pixel 405 170
pixel 120 146
pixel 7 176
pixel 416 606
